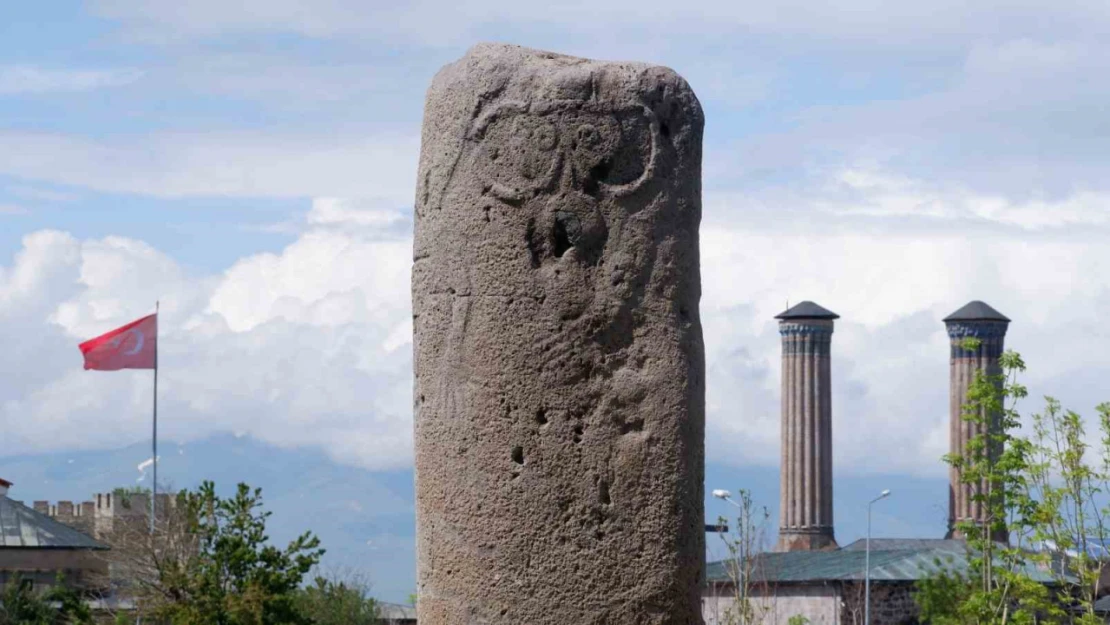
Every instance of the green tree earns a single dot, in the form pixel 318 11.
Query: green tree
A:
pixel 329 602
pixel 123 494
pixel 1037 490
pixel 1068 483
pixel 219 568
pixel 57 605
pixel 747 541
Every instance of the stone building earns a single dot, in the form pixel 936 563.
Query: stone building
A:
pixel 827 587
pixel 107 513
pixel 36 548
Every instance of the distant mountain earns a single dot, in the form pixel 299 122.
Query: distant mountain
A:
pixel 365 519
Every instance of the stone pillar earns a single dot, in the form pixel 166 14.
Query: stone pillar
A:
pixel 980 321
pixel 559 366
pixel 806 489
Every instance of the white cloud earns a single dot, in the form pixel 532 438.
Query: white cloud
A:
pixel 25 79
pixel 879 194
pixel 890 352
pixel 246 164
pixel 311 346
pixel 304 347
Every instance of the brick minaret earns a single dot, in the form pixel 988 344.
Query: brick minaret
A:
pixel 980 321
pixel 806 507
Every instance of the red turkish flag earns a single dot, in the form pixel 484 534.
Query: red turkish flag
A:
pixel 134 346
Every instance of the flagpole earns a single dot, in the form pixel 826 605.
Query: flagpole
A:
pixel 154 438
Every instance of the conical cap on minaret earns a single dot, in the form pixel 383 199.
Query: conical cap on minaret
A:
pixel 975 311
pixel 807 310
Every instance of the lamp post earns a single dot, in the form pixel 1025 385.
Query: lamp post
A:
pixel 867 559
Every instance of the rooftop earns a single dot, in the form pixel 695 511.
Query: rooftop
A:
pixel 23 528
pixel 892 560
pixel 807 310
pixel 976 311
pixel 396 611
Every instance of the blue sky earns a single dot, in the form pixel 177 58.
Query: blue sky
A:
pixel 252 165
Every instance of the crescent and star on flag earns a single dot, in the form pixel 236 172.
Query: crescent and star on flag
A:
pixel 133 346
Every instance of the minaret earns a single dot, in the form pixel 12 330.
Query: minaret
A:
pixel 806 507
pixel 980 321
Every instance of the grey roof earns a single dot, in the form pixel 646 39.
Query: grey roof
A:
pixel 396 612
pixel 892 560
pixel 1102 606
pixel 807 310
pixel 23 528
pixel 895 544
pixel 976 311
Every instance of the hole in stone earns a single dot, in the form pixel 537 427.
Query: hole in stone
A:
pixel 541 416
pixel 632 425
pixel 603 492
pixel 578 433
pixel 598 173
pixel 518 454
pixel 664 129
pixel 486 209
pixel 567 230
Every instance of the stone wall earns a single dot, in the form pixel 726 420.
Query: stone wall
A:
pixel 819 603
pixel 891 604
pixel 82 568
pixel 105 512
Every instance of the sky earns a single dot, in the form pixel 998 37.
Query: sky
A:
pixel 251 165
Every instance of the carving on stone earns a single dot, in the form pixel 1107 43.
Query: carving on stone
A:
pixel 598 143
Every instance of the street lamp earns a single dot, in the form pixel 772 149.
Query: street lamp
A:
pixel 867 558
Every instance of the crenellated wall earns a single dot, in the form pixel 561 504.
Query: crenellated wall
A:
pixel 105 511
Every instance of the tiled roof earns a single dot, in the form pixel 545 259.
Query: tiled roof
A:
pixel 807 310
pixel 22 527
pixel 892 560
pixel 893 544
pixel 976 311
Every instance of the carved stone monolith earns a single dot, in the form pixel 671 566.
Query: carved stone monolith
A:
pixel 559 365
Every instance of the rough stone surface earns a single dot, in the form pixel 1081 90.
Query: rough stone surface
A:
pixel 559 364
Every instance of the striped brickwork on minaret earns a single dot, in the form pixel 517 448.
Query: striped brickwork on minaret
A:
pixel 806 507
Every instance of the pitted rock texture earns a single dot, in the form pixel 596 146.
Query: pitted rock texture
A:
pixel 559 363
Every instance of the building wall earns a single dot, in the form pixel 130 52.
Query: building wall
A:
pixel 82 568
pixel 891 604
pixel 821 603
pixel 775 605
pixel 106 512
